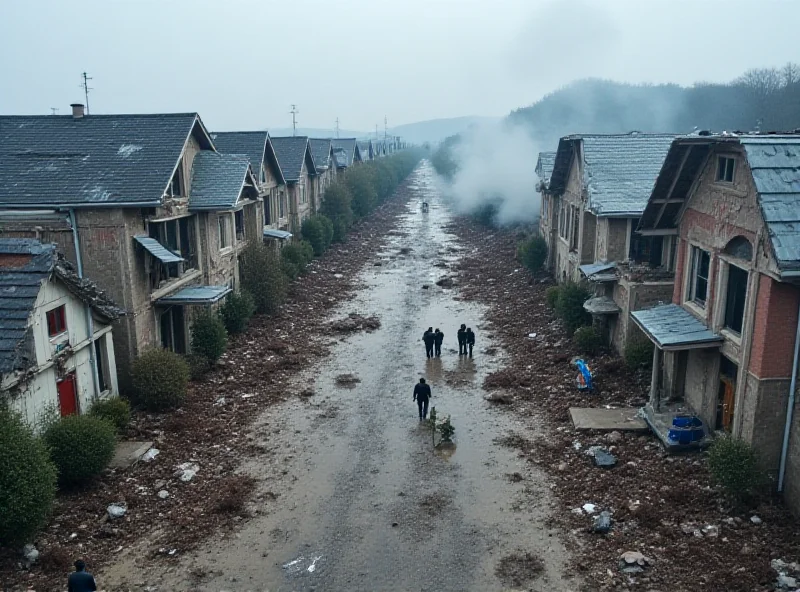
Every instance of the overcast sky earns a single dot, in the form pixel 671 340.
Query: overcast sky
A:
pixel 242 63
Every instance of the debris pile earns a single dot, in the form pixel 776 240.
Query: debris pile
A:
pixel 355 322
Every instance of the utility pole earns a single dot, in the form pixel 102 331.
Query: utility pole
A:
pixel 86 89
pixel 54 110
pixel 376 131
pixel 385 128
pixel 337 127
pixel 294 113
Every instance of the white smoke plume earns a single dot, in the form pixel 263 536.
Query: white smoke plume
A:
pixel 496 163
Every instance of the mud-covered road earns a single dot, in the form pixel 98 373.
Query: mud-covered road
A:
pixel 352 495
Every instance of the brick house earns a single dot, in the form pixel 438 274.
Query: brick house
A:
pixel 598 189
pixel 131 193
pixel 296 163
pixel 56 350
pixel 726 348
pixel 257 146
pixel 549 205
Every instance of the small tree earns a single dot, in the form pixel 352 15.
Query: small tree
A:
pixel 115 410
pixel 299 254
pixel 27 480
pixel 236 311
pixel 261 275
pixel 734 466
pixel 158 380
pixel 360 182
pixel 639 353
pixel 532 253
pixel 587 339
pixel 81 446
pixel 551 296
pixel 337 207
pixel 570 307
pixel 314 233
pixel 209 337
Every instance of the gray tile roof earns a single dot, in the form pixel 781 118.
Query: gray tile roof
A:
pixel 619 170
pixel 365 148
pixel 320 152
pixel 197 295
pixel 775 163
pixel 340 157
pixel 25 264
pixel 98 160
pixel 544 166
pixel 251 144
pixel 290 152
pixel 670 326
pixel 217 180
pixel 349 147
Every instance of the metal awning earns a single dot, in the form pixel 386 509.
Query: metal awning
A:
pixel 157 250
pixel 280 234
pixel 195 295
pixel 601 305
pixel 599 272
pixel 672 327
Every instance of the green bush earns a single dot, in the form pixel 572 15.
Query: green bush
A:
pixel 236 311
pixel 532 253
pixel 27 480
pixel 360 182
pixel 486 214
pixel 587 339
pixel 639 354
pixel 81 446
pixel 318 231
pixel 337 207
pixel 209 337
pixel 734 466
pixel 262 276
pixel 114 409
pixel 299 254
pixel 327 229
pixel 551 296
pixel 289 269
pixel 570 307
pixel 158 380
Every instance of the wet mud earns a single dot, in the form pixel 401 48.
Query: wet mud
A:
pixel 351 493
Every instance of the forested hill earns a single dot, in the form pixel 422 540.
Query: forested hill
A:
pixel 767 99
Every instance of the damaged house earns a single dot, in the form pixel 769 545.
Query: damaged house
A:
pixel 296 163
pixel 154 212
pixel 325 165
pixel 346 153
pixel 56 351
pixel 257 146
pixel 597 191
pixel 726 348
pixel 548 217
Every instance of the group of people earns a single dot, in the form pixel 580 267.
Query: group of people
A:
pixel 433 341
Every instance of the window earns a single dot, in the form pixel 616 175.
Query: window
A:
pixel 239 221
pixel 725 169
pixel 173 330
pixel 734 298
pixel 179 237
pixel 102 363
pixel 562 232
pixel 224 231
pixel 57 321
pixel 576 221
pixel 281 205
pixel 176 184
pixel 698 286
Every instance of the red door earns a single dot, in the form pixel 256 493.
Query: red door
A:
pixel 67 395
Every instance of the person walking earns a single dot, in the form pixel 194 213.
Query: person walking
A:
pixel 81 580
pixel 429 338
pixel 470 340
pixel 462 340
pixel 438 341
pixel 422 394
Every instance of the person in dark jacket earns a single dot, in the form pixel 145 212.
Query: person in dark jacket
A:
pixel 438 341
pixel 429 338
pixel 81 580
pixel 470 340
pixel 462 340
pixel 422 394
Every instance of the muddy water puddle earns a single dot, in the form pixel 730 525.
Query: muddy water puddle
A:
pixel 352 493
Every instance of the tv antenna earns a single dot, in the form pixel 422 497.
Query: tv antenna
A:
pixel 294 113
pixel 86 89
pixel 54 110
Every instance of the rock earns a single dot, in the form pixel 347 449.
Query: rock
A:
pixel 633 562
pixel 785 581
pixel 711 530
pixel 755 520
pixel 562 467
pixel 589 508
pixel 150 455
pixel 186 471
pixel 163 494
pixel 160 484
pixel 501 398
pixel 602 457
pixel 338 275
pixel 31 554
pixel 117 510
pixel 307 392
pixel 602 522
pixel 615 437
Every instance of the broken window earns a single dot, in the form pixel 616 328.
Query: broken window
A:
pixel 698 281
pixel 57 321
pixel 224 231
pixel 576 221
pixel 740 248
pixel 725 169
pixel 239 222
pixel 176 184
pixel 734 298
pixel 173 334
pixel 281 205
pixel 178 235
pixel 101 360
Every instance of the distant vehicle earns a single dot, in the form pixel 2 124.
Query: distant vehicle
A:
pixel 424 207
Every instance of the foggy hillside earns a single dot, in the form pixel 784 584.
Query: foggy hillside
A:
pixel 436 130
pixel 768 99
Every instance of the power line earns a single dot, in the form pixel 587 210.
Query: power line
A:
pixel 294 113
pixel 86 89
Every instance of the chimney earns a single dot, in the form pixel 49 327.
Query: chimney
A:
pixel 77 110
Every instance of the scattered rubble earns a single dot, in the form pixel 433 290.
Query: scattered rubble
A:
pixel 347 380
pixel 356 322
pixel 117 510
